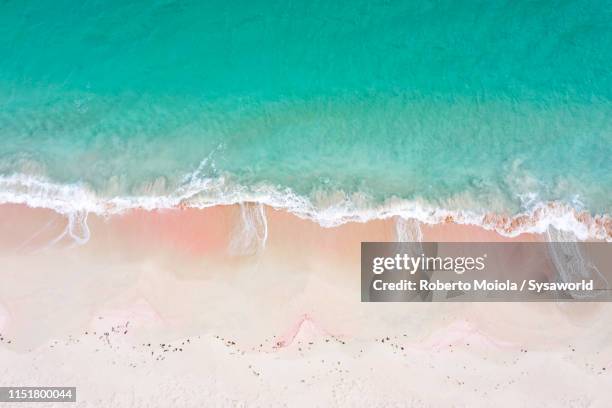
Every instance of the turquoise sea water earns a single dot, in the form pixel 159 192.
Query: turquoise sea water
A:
pixel 464 105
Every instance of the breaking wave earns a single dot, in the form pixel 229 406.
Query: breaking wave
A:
pixel 76 201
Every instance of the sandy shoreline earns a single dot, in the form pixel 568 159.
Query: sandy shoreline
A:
pixel 268 317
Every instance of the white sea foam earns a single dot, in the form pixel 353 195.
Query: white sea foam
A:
pixel 570 263
pixel 251 234
pixel 196 192
pixel 408 230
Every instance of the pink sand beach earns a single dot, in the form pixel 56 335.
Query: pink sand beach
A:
pixel 194 306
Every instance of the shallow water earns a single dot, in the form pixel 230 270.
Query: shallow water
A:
pixel 488 106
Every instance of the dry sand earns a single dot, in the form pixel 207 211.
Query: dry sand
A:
pixel 169 309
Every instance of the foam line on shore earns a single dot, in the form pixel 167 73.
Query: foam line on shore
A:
pixel 71 199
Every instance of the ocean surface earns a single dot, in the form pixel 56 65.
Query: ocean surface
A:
pixel 325 108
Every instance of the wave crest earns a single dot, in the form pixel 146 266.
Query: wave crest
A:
pixel 70 199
